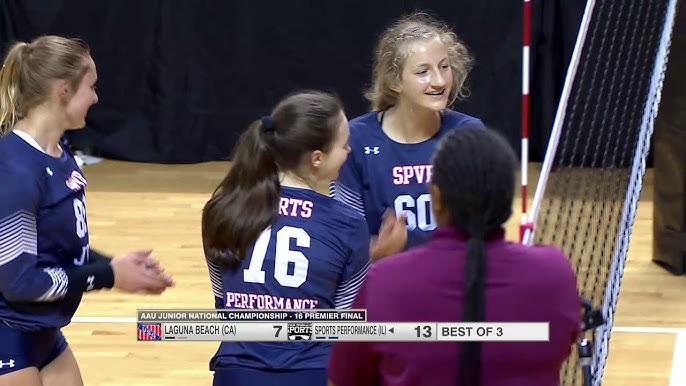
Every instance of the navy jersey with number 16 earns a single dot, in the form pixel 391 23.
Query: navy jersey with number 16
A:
pixel 316 255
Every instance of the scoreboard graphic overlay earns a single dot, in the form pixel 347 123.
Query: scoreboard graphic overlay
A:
pixel 319 325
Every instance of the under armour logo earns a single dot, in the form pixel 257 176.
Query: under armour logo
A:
pixel 90 281
pixel 10 364
pixel 370 150
pixel 49 171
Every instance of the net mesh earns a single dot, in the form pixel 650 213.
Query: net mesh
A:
pixel 592 190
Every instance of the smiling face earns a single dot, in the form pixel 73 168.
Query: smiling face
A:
pixel 327 164
pixel 81 98
pixel 426 79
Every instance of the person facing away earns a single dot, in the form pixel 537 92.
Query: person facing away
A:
pixel 466 272
pixel 46 263
pixel 273 241
pixel 420 68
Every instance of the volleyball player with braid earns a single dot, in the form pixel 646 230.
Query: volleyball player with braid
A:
pixel 466 272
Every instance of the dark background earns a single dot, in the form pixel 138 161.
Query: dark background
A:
pixel 180 79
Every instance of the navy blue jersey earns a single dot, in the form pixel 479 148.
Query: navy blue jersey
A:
pixel 382 174
pixel 43 230
pixel 315 256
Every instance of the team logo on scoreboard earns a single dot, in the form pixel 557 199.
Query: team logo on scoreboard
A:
pixel 299 331
pixel 149 331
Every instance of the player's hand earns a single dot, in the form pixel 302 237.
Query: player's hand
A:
pixel 139 272
pixel 153 264
pixel 392 236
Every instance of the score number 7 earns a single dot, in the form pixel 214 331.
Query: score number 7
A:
pixel 278 331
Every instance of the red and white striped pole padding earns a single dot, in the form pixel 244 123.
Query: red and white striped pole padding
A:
pixel 524 224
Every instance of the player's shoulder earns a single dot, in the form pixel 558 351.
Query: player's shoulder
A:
pixel 15 159
pixel 20 182
pixel 365 120
pixel 347 213
pixel 326 205
pixel 397 269
pixel 455 119
pixel 364 125
pixel 547 258
pixel 9 149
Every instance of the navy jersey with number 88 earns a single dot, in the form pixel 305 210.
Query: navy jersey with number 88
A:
pixel 43 231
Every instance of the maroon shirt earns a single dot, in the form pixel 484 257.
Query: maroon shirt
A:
pixel 523 284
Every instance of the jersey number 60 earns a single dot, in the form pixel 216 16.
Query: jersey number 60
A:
pixel 283 256
pixel 418 212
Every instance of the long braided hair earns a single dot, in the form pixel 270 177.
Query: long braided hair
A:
pixel 474 169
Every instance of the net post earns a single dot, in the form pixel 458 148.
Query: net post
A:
pixel 559 117
pixel 526 59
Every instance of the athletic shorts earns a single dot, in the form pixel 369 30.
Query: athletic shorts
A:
pixel 20 350
pixel 239 376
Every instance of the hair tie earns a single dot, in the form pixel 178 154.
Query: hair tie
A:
pixel 267 124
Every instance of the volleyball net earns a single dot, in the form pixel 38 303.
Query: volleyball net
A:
pixel 587 193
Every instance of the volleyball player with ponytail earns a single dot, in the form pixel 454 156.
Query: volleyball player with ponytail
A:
pixel 46 261
pixel 467 272
pixel 273 242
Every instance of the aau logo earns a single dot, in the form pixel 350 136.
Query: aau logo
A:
pixel 371 150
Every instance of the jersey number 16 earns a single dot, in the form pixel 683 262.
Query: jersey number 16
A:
pixel 283 256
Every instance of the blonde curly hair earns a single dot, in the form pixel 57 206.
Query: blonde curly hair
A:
pixel 392 52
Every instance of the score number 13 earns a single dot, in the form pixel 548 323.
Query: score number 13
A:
pixel 424 331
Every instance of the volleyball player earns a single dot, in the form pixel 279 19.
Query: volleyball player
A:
pixel 419 71
pixel 272 241
pixel 46 264
pixel 474 275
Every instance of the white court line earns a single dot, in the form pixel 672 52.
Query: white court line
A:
pixel 678 375
pixel 103 319
pixel 650 330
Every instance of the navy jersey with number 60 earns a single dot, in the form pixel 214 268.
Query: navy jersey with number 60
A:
pixel 382 174
pixel 43 231
pixel 316 255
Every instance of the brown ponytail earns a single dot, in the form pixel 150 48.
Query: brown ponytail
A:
pixel 246 202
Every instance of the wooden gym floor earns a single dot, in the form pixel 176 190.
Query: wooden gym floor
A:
pixel 133 205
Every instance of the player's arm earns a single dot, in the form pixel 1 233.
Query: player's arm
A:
pixel 21 279
pixel 96 257
pixel 216 281
pixel 356 267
